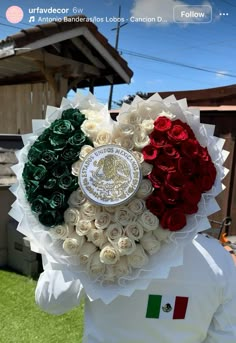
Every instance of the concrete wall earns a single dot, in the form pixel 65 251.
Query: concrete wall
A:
pixel 6 199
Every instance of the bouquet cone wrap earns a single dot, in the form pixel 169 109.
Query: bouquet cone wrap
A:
pixel 121 243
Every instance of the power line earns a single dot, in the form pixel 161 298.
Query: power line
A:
pixel 180 64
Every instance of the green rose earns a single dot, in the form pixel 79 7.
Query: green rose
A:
pixel 33 172
pixel 50 183
pixel 68 182
pixel 49 157
pixel 74 115
pixel 47 174
pixel 27 173
pixel 40 144
pixel 58 141
pixel 39 172
pixel 60 169
pixel 51 218
pixel 78 139
pixel 44 135
pixel 70 154
pixel 31 187
pixel 57 200
pixel 62 127
pixel 39 204
pixel 34 154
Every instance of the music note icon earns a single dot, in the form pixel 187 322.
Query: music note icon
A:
pixel 32 19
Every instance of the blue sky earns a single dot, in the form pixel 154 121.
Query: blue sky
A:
pixel 163 48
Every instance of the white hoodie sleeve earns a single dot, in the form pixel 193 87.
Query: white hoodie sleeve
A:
pixel 223 324
pixel 57 290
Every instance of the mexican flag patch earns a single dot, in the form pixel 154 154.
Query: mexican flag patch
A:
pixel 166 307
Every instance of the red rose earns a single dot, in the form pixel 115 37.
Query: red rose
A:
pixel 190 193
pixel 188 208
pixel 190 148
pixel 171 151
pixel 203 154
pixel 156 177
pixel 165 163
pixel 173 219
pixel 169 195
pixel 155 205
pixel 207 176
pixel 177 133
pixel 157 139
pixel 205 183
pixel 162 123
pixel 149 153
pixel 176 180
pixel 186 166
pixel 186 127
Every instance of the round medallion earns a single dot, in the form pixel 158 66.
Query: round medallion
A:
pixel 109 175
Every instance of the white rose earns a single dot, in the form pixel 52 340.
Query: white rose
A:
pixel 86 251
pixel 121 267
pixel 149 221
pixel 134 231
pixel 133 118
pixel 109 255
pixel 144 109
pixel 138 258
pixel 147 125
pixel 77 198
pixel 84 226
pixel 110 209
pixel 97 237
pixel 145 189
pixel 126 129
pixel 103 138
pixel 139 156
pixel 61 231
pixel 114 231
pixel 102 220
pixel 90 128
pixel 125 245
pixel 72 245
pixel 137 206
pixel 149 243
pixel 124 216
pixel 125 141
pixel 146 168
pixel 95 267
pixel 75 168
pixel 161 234
pixel 140 138
pixel 71 216
pixel 89 211
pixel 85 150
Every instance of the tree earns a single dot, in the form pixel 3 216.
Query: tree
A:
pixel 129 98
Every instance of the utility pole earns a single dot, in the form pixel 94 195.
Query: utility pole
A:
pixel 117 28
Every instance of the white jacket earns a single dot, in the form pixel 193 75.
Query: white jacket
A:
pixel 205 283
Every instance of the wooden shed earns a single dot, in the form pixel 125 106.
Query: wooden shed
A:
pixel 39 65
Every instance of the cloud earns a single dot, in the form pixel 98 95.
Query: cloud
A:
pixel 165 10
pixel 221 73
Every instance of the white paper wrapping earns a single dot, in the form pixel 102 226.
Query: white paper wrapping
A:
pixel 171 252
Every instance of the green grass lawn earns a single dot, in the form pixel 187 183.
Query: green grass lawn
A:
pixel 21 321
